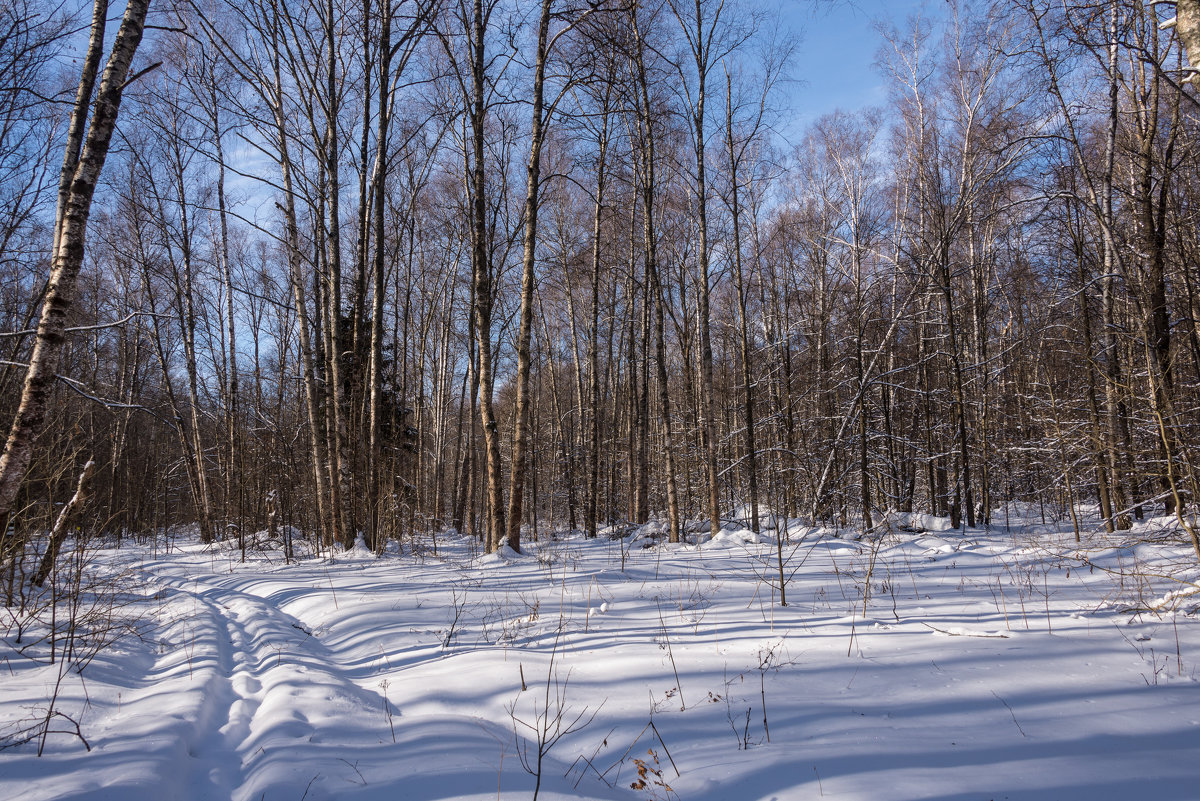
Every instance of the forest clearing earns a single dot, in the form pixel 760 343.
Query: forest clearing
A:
pixel 935 665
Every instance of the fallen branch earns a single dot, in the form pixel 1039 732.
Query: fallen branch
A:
pixel 964 633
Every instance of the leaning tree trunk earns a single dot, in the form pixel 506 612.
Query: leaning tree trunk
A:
pixel 62 524
pixel 82 162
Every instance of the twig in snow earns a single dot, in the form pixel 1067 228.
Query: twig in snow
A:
pixel 354 767
pixel 1010 711
pixel 671 655
pixel 308 786
pixel 665 749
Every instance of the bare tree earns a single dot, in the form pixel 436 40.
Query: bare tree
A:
pixel 87 147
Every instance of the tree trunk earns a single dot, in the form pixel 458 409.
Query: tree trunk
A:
pixel 594 323
pixel 482 278
pixel 75 202
pixel 379 190
pixel 336 387
pixel 516 487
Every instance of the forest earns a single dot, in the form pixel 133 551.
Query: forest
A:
pixel 386 268
pixel 457 400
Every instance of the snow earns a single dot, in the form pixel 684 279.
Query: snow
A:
pixel 1002 664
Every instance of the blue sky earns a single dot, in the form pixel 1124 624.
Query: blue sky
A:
pixel 835 61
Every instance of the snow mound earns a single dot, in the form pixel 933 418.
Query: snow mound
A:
pixel 736 538
pixel 360 552
pixel 501 556
pixel 914 522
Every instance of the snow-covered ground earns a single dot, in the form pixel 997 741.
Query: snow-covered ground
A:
pixel 931 665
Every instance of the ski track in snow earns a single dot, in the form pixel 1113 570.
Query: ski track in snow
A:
pixel 282 715
pixel 980 668
pixel 268 671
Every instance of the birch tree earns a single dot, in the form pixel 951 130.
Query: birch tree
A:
pixel 93 121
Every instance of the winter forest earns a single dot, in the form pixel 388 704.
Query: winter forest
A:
pixel 432 288
pixel 391 267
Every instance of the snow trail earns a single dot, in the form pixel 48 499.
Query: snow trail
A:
pixel 933 666
pixel 271 684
